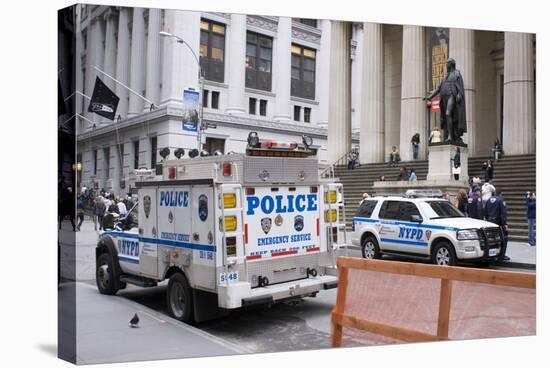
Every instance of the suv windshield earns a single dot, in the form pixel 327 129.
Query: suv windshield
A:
pixel 444 209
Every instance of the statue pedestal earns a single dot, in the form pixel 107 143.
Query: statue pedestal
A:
pixel 440 163
pixel 440 173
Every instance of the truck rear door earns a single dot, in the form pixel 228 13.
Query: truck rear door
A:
pixel 281 221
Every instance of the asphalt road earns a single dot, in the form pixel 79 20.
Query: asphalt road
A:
pixel 280 327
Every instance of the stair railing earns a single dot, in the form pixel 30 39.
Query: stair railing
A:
pixel 328 173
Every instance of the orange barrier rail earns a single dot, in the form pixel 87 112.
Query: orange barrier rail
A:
pixel 446 274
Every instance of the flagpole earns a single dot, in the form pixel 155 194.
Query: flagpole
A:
pixel 123 85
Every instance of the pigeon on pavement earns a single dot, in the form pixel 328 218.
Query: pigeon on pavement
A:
pixel 134 321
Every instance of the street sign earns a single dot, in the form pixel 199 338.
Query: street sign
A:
pixel 434 107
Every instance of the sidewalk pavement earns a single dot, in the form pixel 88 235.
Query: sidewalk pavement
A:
pixel 103 334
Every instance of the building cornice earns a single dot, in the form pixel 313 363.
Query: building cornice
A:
pixel 263 22
pixel 306 33
pixel 172 112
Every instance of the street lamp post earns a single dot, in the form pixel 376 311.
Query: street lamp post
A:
pixel 201 84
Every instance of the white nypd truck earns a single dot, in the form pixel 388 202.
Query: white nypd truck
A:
pixel 229 231
pixel 417 226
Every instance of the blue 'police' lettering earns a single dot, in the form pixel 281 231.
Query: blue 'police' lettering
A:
pixel 281 204
pixel 174 198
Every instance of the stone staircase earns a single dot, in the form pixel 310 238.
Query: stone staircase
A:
pixel 360 180
pixel 514 175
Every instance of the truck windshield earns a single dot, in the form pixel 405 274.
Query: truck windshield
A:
pixel 444 209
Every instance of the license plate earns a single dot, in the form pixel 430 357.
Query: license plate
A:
pixel 493 252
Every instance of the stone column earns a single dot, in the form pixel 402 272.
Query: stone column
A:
pixel 323 56
pixel 152 86
pixel 371 134
pixel 519 102
pixel 109 64
pixel 94 58
pixel 462 49
pixel 236 58
pixel 413 89
pixel 123 61
pixel 282 69
pixel 180 69
pixel 339 111
pixel 137 77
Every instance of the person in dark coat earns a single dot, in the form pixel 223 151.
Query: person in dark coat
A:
pixel 474 207
pixel 496 212
pixel 452 103
pixel 415 142
pixel 462 200
pixel 531 203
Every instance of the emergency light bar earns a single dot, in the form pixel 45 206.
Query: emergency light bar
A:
pixel 270 148
pixel 424 193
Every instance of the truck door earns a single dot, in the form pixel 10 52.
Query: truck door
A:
pixel 203 236
pixel 148 231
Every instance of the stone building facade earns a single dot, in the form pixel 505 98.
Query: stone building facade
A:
pixel 345 84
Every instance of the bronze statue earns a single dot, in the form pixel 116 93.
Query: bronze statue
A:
pixel 452 103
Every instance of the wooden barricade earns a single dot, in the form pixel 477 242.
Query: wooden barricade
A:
pixel 446 274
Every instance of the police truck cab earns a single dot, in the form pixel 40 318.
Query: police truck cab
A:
pixel 229 231
pixel 424 227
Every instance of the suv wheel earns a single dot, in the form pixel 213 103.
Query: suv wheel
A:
pixel 444 254
pixel 369 248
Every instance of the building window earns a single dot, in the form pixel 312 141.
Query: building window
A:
pixel 153 152
pixel 307 114
pixel 309 22
pixel 263 107
pixel 212 50
pixel 297 113
pixel 252 106
pixel 136 155
pixel 94 158
pixel 303 72
pixel 214 144
pixel 258 61
pixel 107 160
pixel 205 98
pixel 215 100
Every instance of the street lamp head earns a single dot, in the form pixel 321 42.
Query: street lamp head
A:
pixel 166 34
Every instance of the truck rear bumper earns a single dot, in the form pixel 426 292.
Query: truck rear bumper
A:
pixel 239 294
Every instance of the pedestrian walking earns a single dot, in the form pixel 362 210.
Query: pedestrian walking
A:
pixel 412 176
pixel 462 200
pixel 488 170
pixel 79 211
pixel 99 212
pixel 531 203
pixel 474 208
pixel 496 212
pixel 122 210
pixel 415 142
pixel 352 160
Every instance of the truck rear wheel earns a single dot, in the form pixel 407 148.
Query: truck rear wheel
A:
pixel 179 298
pixel 105 275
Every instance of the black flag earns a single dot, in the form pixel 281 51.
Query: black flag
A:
pixel 61 107
pixel 104 102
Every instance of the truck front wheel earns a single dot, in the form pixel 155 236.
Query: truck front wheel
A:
pixel 105 275
pixel 179 298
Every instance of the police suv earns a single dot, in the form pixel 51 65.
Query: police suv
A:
pixel 229 231
pixel 428 228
